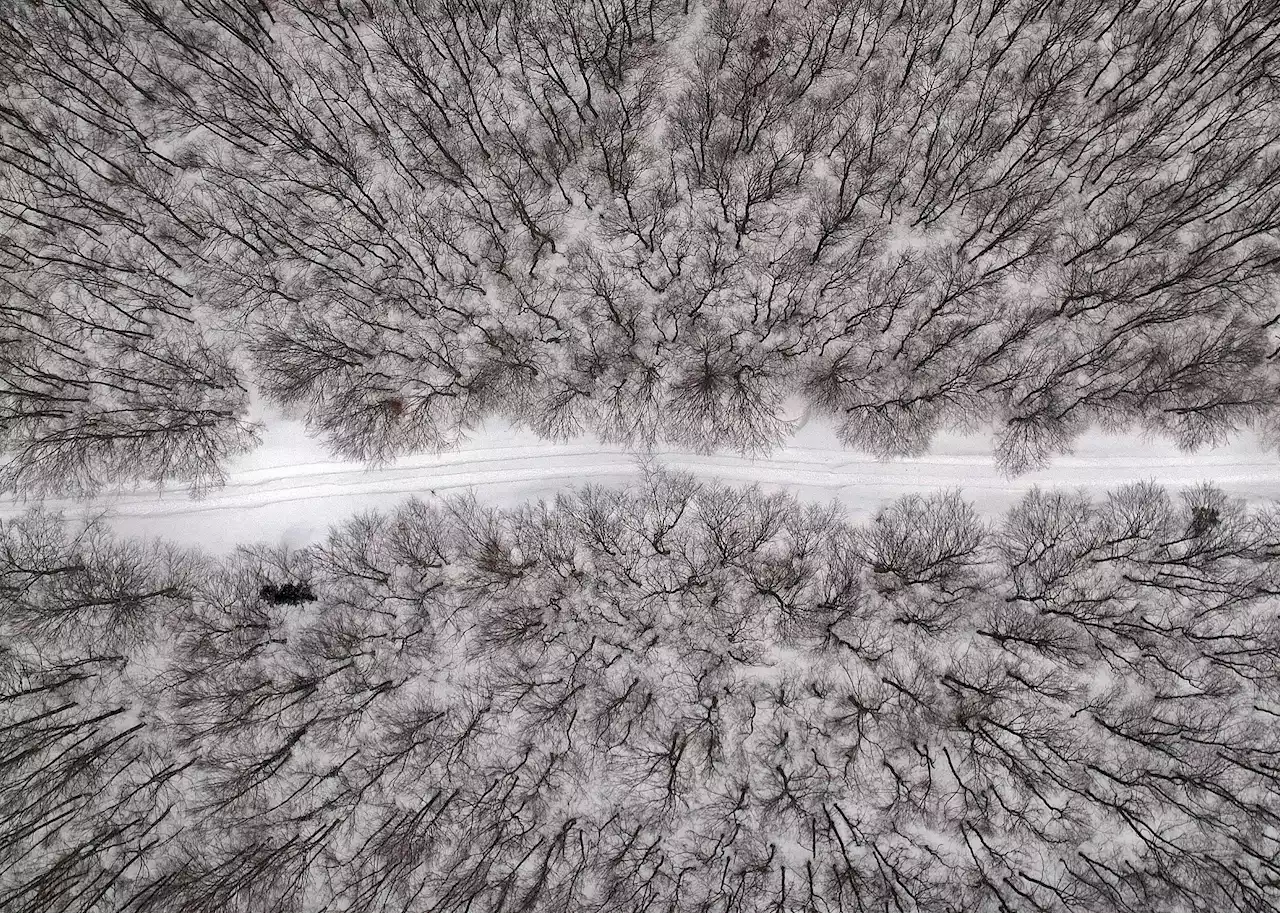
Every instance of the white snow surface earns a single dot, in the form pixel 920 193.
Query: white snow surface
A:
pixel 289 491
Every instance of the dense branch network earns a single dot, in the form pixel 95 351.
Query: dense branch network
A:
pixel 648 220
pixel 672 697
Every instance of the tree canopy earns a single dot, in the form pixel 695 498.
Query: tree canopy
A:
pixel 671 697
pixel 649 220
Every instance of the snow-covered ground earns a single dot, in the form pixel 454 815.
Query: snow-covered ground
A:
pixel 290 491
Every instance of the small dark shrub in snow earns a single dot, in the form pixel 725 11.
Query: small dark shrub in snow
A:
pixel 288 594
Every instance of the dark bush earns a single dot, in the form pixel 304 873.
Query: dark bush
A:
pixel 288 594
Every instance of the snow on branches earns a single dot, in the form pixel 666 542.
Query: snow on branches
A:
pixel 672 696
pixel 649 220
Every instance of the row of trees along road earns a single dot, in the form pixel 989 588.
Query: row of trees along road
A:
pixel 651 220
pixel 671 697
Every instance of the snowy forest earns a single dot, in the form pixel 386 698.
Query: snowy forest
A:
pixel 674 696
pixel 643 224
pixel 652 221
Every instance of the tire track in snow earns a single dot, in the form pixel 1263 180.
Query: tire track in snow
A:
pixel 292 491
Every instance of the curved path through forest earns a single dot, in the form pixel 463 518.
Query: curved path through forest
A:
pixel 289 490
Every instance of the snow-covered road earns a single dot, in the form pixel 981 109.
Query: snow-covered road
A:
pixel 289 490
